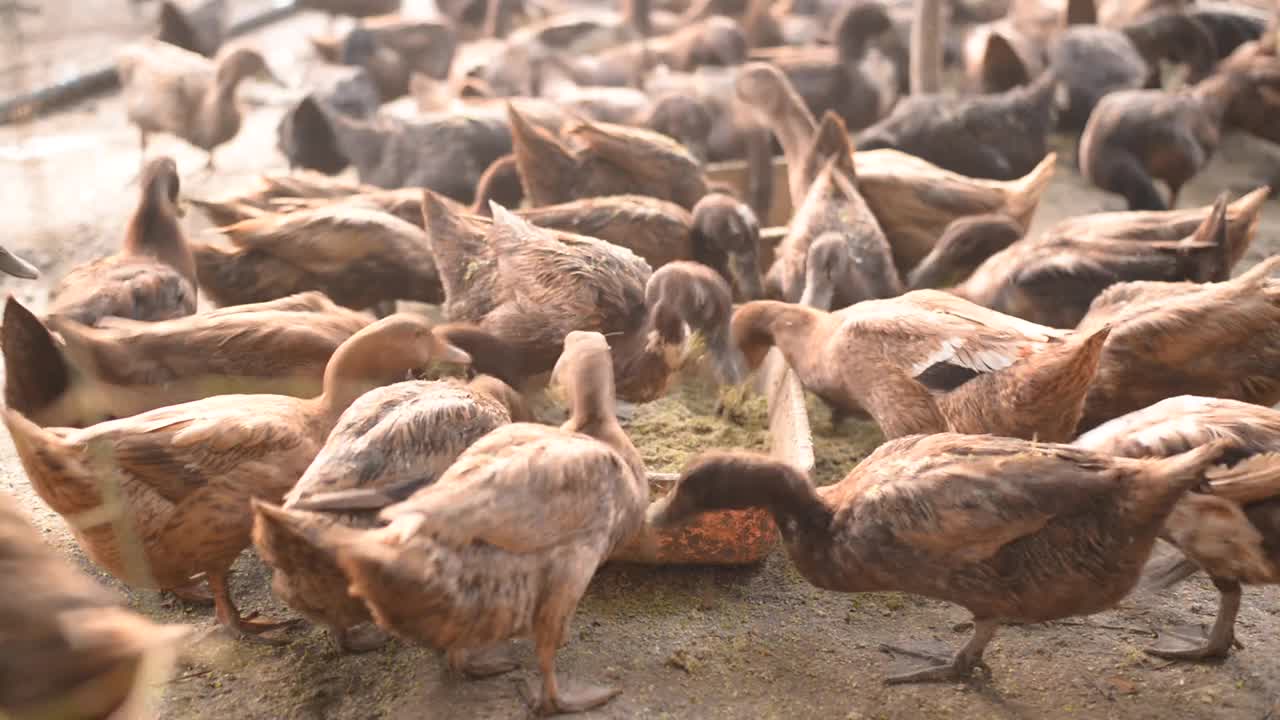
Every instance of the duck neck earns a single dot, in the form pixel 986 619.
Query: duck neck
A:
pixel 219 114
pixel 1216 92
pixel 154 231
pixel 593 412
pixel 353 371
pixel 794 126
pixel 790 328
pixel 803 516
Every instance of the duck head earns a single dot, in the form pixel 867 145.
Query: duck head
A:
pixel 757 325
pixel 726 237
pixel 243 63
pixel 858 27
pixel 832 275
pixel 583 376
pixel 11 264
pixel 721 480
pixel 964 245
pixel 154 229
pixel 683 293
pixel 684 118
pixel 507 396
pixel 383 353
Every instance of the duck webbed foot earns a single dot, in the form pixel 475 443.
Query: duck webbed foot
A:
pixel 569 697
pixel 947 669
pixel 362 639
pixel 247 627
pixel 552 697
pixel 486 662
pixel 1190 643
pixel 197 593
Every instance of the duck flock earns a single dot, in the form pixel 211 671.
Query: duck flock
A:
pixel 588 193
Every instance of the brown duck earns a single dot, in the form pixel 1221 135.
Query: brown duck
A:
pixel 606 160
pixel 1135 137
pixel 858 77
pixel 504 544
pixel 1053 279
pixel 72 650
pixel 1256 105
pixel 358 256
pixel 1232 532
pixel 187 472
pixel 178 92
pixel 64 374
pixel 153 277
pixel 531 287
pixel 1093 61
pixel 928 361
pixel 833 208
pixel 1011 530
pixel 1217 339
pixel 721 232
pixel 391 441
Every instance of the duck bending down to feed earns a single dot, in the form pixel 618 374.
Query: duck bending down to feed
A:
pixel 1232 531
pixel 928 361
pixel 1011 530
pixel 187 472
pixel 531 287
pixel 1215 339
pixel 153 277
pixel 504 544
pixel 390 442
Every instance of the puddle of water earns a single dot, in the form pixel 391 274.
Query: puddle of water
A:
pixel 38 148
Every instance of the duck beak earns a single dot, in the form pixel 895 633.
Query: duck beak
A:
pixel 746 276
pixel 454 354
pixel 16 266
pixel 730 364
pixel 267 75
pixel 656 515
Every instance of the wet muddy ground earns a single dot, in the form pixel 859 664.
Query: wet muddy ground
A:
pixel 681 643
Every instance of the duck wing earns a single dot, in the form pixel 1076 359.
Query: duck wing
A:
pixel 598 286
pixel 963 498
pixel 524 488
pixel 328 240
pixel 943 341
pixel 179 450
pixel 400 437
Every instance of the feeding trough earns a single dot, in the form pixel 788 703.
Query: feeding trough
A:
pixel 736 537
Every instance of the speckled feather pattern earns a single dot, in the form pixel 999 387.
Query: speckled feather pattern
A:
pixel 511 535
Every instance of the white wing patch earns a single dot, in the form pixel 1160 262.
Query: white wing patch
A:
pixel 954 351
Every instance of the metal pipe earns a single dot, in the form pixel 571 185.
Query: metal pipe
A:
pixel 28 106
